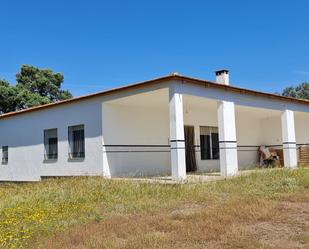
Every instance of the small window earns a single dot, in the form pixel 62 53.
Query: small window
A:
pixel 76 141
pixel 51 144
pixel 209 138
pixel 5 154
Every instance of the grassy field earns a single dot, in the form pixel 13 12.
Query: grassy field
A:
pixel 265 209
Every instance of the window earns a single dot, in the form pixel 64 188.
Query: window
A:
pixel 209 138
pixel 5 154
pixel 51 144
pixel 76 141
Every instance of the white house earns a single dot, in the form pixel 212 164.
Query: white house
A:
pixel 170 125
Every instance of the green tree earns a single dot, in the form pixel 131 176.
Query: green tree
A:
pixel 34 87
pixel 6 97
pixel 44 82
pixel 24 98
pixel 301 91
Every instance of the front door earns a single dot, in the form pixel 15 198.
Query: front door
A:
pixel 190 149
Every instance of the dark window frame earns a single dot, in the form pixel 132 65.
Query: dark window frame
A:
pixel 76 140
pixel 51 144
pixel 5 154
pixel 209 143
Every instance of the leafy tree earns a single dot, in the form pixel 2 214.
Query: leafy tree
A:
pixel 34 87
pixel 44 82
pixel 6 97
pixel 25 98
pixel 301 91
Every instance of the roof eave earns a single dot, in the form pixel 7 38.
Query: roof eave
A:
pixel 204 83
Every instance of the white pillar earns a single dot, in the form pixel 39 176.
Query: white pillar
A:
pixel 177 138
pixel 106 168
pixel 288 139
pixel 227 138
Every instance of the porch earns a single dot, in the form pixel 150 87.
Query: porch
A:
pixel 172 131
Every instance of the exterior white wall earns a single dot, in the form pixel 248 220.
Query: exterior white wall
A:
pixel 252 131
pixel 248 131
pixel 136 126
pixel 202 117
pixel 24 134
pixel 271 131
pixel 302 128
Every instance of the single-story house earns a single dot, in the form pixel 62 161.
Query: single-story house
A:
pixel 169 125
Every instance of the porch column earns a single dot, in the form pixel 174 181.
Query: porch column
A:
pixel 106 168
pixel 288 139
pixel 227 138
pixel 177 139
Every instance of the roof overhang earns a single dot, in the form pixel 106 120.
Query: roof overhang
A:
pixel 184 79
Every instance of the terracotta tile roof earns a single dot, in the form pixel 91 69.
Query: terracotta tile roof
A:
pixel 204 83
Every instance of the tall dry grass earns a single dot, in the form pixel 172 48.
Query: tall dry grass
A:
pixel 161 214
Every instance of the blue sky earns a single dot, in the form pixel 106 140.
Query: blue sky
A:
pixel 103 44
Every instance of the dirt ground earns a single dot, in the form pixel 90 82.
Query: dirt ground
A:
pixel 239 224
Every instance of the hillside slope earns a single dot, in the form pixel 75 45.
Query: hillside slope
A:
pixel 265 209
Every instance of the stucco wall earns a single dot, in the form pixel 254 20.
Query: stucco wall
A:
pixel 248 129
pixel 302 128
pixel 271 131
pixel 202 117
pixel 136 126
pixel 24 136
pixel 249 133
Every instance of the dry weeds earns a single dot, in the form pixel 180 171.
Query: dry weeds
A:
pixel 268 225
pixel 237 223
pixel 265 209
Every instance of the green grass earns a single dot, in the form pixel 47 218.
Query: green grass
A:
pixel 32 211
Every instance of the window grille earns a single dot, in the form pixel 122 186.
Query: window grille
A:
pixel 51 144
pixel 5 154
pixel 209 139
pixel 76 141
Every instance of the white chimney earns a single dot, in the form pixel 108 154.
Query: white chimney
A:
pixel 222 77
